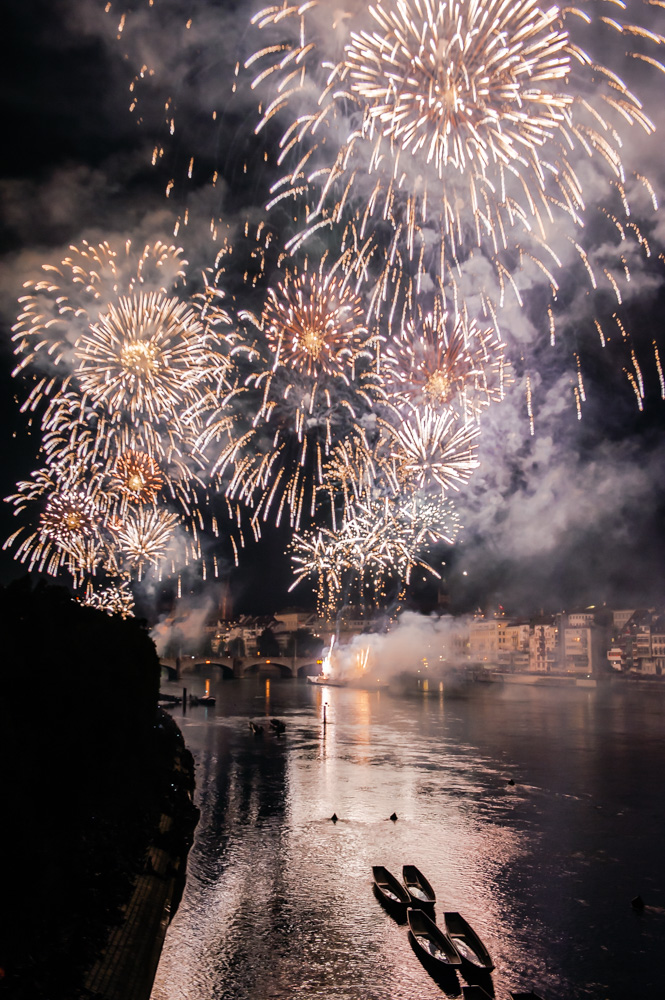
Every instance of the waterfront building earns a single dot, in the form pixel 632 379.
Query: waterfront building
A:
pixel 513 643
pixel 241 637
pixel 621 618
pixel 584 650
pixel 658 645
pixel 581 619
pixel 633 641
pixel 543 645
pixel 484 641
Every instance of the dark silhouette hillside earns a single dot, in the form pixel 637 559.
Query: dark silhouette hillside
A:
pixel 84 771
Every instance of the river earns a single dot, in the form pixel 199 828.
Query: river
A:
pixel 538 813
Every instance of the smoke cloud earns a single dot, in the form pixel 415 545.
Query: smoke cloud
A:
pixel 415 644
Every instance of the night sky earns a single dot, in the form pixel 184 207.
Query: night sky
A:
pixel 571 514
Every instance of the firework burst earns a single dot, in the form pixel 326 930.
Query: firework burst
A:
pixel 147 356
pixel 309 377
pixel 315 323
pixel 70 515
pixel 137 477
pixel 430 448
pixel 115 599
pixel 108 325
pixel 445 365
pixel 467 110
pixel 144 537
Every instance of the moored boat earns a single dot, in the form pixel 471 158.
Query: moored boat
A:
pixel 324 679
pixel 431 940
pixel 389 888
pixel 466 941
pixel 421 892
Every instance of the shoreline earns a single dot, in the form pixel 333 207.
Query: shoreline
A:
pixel 566 680
pixel 127 966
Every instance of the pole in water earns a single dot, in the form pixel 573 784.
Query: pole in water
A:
pixel 184 699
pixel 325 706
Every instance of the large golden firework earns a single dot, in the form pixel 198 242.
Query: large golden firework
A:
pixel 147 355
pixel 471 112
pixel 111 325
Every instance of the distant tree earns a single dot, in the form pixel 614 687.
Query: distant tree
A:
pixel 303 643
pixel 268 645
pixel 236 646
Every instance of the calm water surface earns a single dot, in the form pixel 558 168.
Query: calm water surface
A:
pixel 279 900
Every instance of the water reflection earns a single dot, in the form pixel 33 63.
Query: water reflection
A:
pixel 279 900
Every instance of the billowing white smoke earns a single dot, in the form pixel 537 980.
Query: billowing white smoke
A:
pixel 184 631
pixel 415 643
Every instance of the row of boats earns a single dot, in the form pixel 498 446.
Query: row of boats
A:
pixel 447 947
pixel 193 699
pixel 276 725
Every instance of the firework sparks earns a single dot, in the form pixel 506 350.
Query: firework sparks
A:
pixel 467 111
pixel 144 537
pixel 69 526
pixel 445 365
pixel 115 599
pixel 430 448
pixel 146 355
pixel 380 540
pixel 309 378
pixel 107 323
pixel 448 136
pixel 137 477
pixel 315 323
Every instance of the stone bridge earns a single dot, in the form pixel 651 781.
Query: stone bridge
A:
pixel 231 667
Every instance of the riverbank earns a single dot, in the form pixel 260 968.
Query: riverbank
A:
pixel 567 680
pixel 126 968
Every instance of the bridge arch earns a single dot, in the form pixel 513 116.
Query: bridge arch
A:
pixel 266 668
pixel 309 669
pixel 204 666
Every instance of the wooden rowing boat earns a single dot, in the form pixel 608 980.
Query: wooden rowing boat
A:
pixel 421 892
pixel 432 942
pixel 389 888
pixel 466 941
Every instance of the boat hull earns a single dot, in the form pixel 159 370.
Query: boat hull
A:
pixel 389 889
pixel 325 682
pixel 421 892
pixel 467 942
pixel 431 941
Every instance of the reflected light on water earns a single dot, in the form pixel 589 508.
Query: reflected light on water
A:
pixel 279 902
